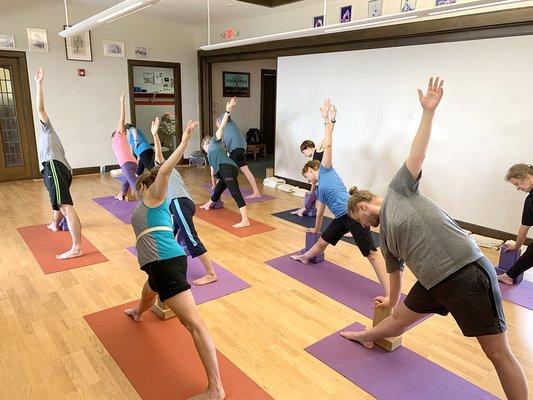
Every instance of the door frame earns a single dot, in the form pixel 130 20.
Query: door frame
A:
pixel 261 122
pixel 177 90
pixel 26 121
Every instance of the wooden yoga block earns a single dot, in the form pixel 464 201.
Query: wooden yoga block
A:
pixel 310 240
pixel 389 344
pixel 130 197
pixel 162 310
pixel 269 172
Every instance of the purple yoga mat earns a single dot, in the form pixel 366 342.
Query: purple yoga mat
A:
pixel 227 282
pixel 520 294
pixel 346 287
pixel 245 192
pixel 120 209
pixel 402 374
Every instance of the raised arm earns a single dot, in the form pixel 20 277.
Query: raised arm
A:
pixel 329 113
pixel 121 118
pixel 429 103
pixel 229 107
pixel 159 159
pixel 158 190
pixel 39 78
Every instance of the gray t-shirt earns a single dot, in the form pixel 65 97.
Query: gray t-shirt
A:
pixel 50 147
pixel 176 187
pixel 418 232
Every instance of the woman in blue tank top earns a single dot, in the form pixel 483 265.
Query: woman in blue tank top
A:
pixel 165 262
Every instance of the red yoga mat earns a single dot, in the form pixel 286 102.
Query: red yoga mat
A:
pixel 45 245
pixel 224 219
pixel 160 360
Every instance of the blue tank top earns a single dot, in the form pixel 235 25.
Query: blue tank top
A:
pixel 142 143
pixel 158 245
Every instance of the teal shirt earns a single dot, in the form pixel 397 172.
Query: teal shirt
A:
pixel 142 142
pixel 332 192
pixel 233 137
pixel 216 154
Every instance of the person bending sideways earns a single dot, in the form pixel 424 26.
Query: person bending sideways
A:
pixel 165 263
pixel 452 274
pixel 126 161
pixel 309 150
pixel 57 175
pixel 141 148
pixel 332 193
pixel 182 208
pixel 521 176
pixel 236 146
pixel 224 168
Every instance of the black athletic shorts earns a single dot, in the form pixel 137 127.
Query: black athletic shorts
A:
pixel 361 235
pixel 471 295
pixel 57 179
pixel 167 277
pixel 239 157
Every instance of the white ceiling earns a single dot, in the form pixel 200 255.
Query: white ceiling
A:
pixel 194 12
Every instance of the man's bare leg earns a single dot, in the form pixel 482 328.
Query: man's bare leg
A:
pixel 210 274
pixel 56 219
pixel 74 227
pixel 317 249
pixel 251 180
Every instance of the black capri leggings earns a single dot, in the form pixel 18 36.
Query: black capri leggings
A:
pixel 227 178
pixel 521 265
pixel 146 161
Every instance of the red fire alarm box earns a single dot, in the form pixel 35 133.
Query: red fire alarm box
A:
pixel 81 72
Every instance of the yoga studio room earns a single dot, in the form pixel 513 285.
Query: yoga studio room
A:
pixel 266 199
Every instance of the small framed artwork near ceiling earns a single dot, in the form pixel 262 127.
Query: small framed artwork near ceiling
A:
pixel 78 47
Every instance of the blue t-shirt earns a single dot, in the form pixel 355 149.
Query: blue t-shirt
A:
pixel 332 192
pixel 233 137
pixel 216 154
pixel 142 144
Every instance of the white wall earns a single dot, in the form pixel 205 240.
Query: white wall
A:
pixel 248 112
pixel 84 111
pixel 302 18
pixel 483 126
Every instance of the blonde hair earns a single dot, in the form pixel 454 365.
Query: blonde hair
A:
pixel 206 140
pixel 146 178
pixel 358 196
pixel 519 171
pixel 313 164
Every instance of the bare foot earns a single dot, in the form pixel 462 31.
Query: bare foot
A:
pixel 348 234
pixel 301 258
pixel 242 224
pixel 253 196
pixel 355 337
pixel 299 212
pixel 206 279
pixel 505 279
pixel 70 254
pixel 207 205
pixel 210 394
pixel 53 227
pixel 120 196
pixel 133 313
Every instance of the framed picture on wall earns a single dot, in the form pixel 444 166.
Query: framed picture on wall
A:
pixel 113 48
pixel 78 47
pixel 374 8
pixel 318 21
pixel 408 5
pixel 37 40
pixel 235 84
pixel 141 52
pixel 443 2
pixel 7 41
pixel 346 14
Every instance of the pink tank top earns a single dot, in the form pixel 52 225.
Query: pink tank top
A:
pixel 121 149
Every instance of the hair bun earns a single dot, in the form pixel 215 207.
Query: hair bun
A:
pixel 353 190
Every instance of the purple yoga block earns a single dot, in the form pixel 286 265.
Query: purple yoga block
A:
pixel 217 204
pixel 501 271
pixel 310 240
pixel 63 224
pixel 508 258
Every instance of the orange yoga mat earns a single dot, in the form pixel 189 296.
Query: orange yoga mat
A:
pixel 45 245
pixel 224 219
pixel 160 360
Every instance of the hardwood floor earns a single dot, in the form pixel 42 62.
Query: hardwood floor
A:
pixel 47 351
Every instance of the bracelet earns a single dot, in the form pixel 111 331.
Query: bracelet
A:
pixel 228 112
pixel 333 121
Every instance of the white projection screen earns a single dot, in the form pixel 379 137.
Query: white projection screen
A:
pixel 483 125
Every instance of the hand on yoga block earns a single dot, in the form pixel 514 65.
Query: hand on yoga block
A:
pixel 63 224
pixel 508 258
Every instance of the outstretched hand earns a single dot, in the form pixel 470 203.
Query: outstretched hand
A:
pixel 122 97
pixel 324 109
pixel 431 99
pixel 39 76
pixel 191 126
pixel 231 104
pixel 332 113
pixel 155 126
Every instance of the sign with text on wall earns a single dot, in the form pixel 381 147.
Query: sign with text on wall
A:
pixel 236 84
